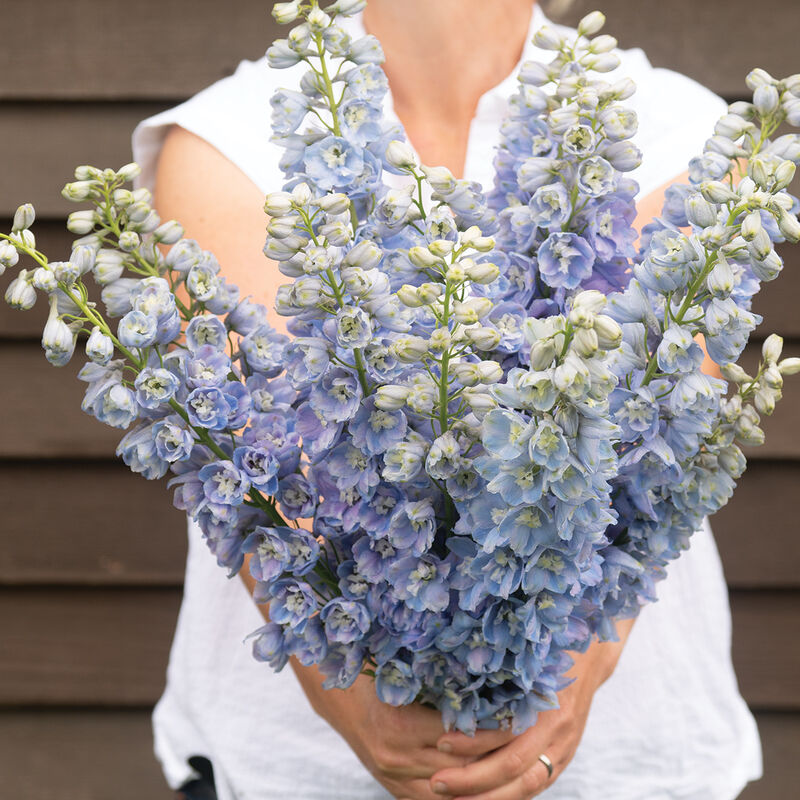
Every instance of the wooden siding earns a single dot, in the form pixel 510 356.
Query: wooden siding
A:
pixel 92 558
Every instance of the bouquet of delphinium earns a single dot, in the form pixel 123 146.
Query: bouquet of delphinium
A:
pixel 488 432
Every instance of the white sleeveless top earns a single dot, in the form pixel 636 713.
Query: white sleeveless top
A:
pixel 669 723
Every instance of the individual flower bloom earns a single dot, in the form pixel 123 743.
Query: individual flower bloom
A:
pixel 297 497
pixel 99 347
pixel 525 530
pixel 155 386
pixel 260 466
pixel 353 327
pixel 396 684
pixel 116 296
pixel 678 351
pixel 207 367
pixel 516 481
pixel 224 483
pixel 116 406
pixel 8 255
pixel 345 621
pixel 137 330
pixel 309 646
pixel 209 407
pixel 263 350
pixel 202 282
pixel 728 328
pixel 173 441
pixel 224 300
pixel 596 177
pixel 293 602
pixel 618 122
pixel 318 433
pixel 58 340
pixel 505 433
pixel 413 526
pixel 610 230
pixel 375 430
pixel 360 121
pixel 137 449
pixel 636 413
pixel 270 396
pixel 444 457
pixel 376 510
pixel 333 162
pixel 303 550
pixel 373 557
pixel 421 582
pixel 623 156
pixel 550 206
pixel 553 571
pixel 237 394
pixel 367 82
pixel 270 553
pixel 353 584
pixel 565 259
pixel 343 663
pixel 547 445
pixel 405 460
pixel 316 260
pixel 579 140
pixel 337 396
pixel 206 330
pixel 276 432
pixel 153 297
pixel 289 109
pixel 269 645
pixel 20 294
pixel 246 317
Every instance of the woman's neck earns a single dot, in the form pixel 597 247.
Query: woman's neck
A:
pixel 441 56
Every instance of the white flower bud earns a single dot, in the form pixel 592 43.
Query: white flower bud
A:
pixel 278 204
pixel 456 273
pixel 771 349
pixel 721 280
pixel 441 247
pixel 335 203
pixel 409 297
pixel 347 8
pixel 44 280
pixel 699 211
pixel 57 335
pixel 470 311
pixel 318 20
pixel 479 400
pixel 602 44
pixel 391 397
pixel 784 175
pixel 732 460
pixel 609 332
pixel 602 62
pixel 440 178
pixel 301 195
pixel 24 217
pixel 430 292
pixel 409 349
pixel 548 38
pixel 8 255
pixel 441 340
pixel 772 377
pixel 337 233
pixel 81 222
pixel 766 99
pixel 591 23
pixel 473 238
pixel 484 273
pixel 79 190
pixel 168 232
pixel 485 339
pixel 129 241
pixel 284 13
pixel 422 258
pixel 758 77
pixel 581 317
pixel 128 172
pixel 490 372
pixel 542 354
pixel 760 245
pixel 751 226
pixel 789 366
pixel 788 224
pixel 733 372
pixel 764 401
pixel 20 295
pixel 87 173
pixel 99 347
pixel 401 155
pixel 108 266
pixel 65 272
pixel 585 342
pixel 717 192
pixel 365 254
pixel 466 373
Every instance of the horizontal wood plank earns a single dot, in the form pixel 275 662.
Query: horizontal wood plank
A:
pixel 131 56
pixel 697 38
pixel 199 41
pixel 88 523
pixel 50 140
pixel 109 647
pixel 80 755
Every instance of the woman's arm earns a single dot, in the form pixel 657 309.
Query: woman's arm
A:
pixel 221 208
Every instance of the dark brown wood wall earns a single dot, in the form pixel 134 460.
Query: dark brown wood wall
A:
pixel 91 557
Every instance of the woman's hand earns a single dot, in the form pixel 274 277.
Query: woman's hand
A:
pixel 397 745
pixel 514 771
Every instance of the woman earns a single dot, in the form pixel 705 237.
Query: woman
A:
pixel 661 718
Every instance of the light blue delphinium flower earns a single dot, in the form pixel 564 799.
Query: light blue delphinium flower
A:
pixel 565 259
pixel 345 621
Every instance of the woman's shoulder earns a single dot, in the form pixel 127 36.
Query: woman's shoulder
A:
pixel 232 115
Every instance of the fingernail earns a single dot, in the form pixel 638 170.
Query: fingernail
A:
pixel 440 788
pixel 445 747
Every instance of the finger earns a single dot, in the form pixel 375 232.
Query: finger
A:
pixel 533 781
pixel 415 722
pixel 496 769
pixel 483 742
pixel 419 763
pixel 416 790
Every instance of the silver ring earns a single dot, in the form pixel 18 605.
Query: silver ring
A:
pixel 548 763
